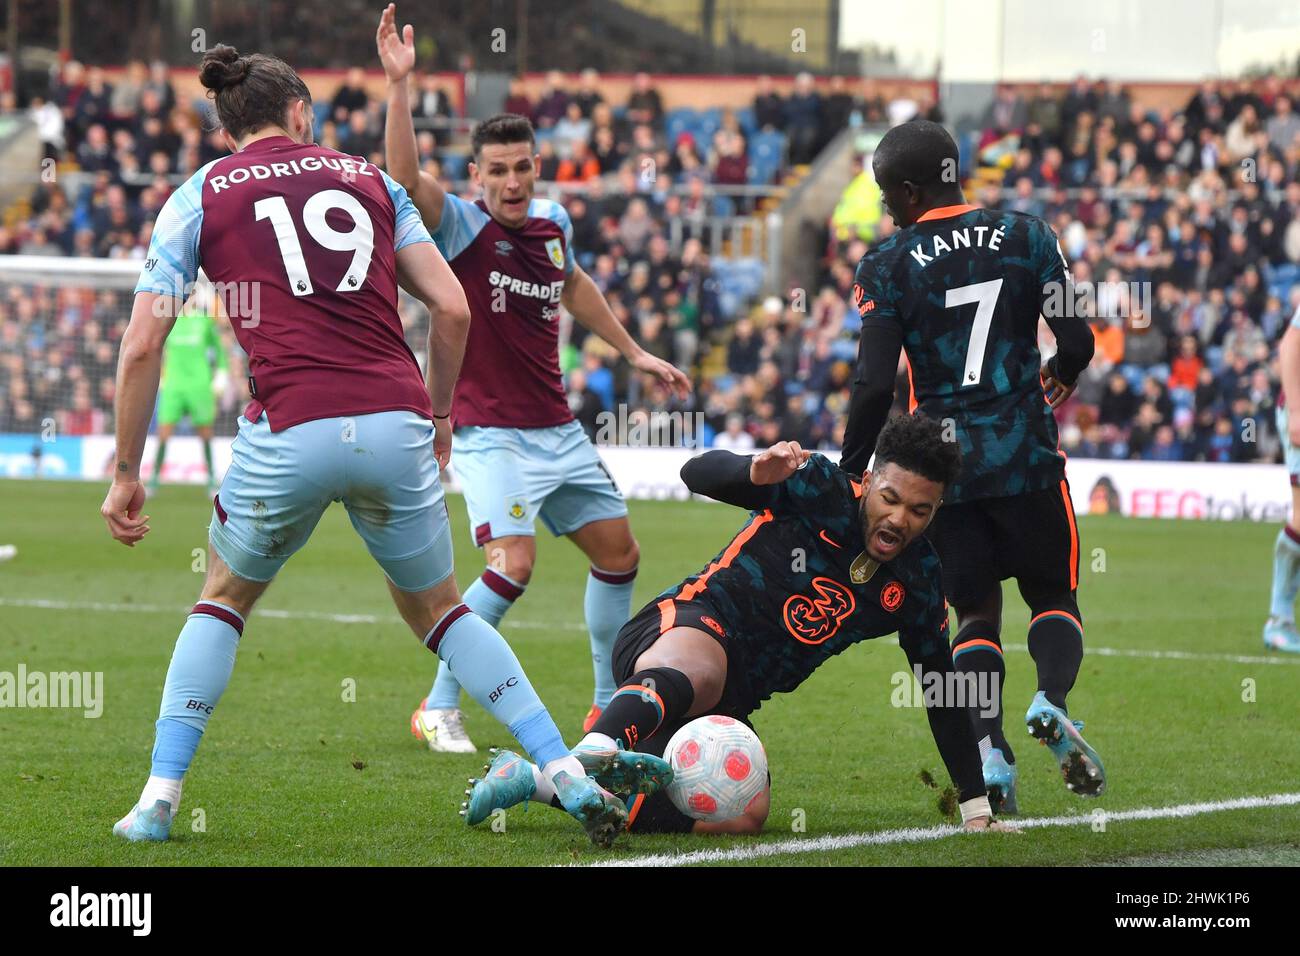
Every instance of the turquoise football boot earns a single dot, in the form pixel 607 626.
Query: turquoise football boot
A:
pixel 624 772
pixel 153 824
pixel 1080 766
pixel 506 782
pixel 1281 635
pixel 1000 781
pixel 602 815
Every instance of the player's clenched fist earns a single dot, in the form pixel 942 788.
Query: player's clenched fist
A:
pixel 397 53
pixel 121 510
pixel 778 463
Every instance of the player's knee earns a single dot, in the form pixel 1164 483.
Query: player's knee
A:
pixel 708 682
pixel 514 562
pixel 755 814
pixel 627 557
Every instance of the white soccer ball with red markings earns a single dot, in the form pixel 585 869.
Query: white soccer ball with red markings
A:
pixel 719 767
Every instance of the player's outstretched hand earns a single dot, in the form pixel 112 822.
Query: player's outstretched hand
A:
pixel 666 372
pixel 397 53
pixel 442 442
pixel 988 823
pixel 1055 390
pixel 121 510
pixel 778 463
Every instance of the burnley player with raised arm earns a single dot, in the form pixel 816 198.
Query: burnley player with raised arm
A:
pixel 520 455
pixel 753 623
pixel 960 289
pixel 340 412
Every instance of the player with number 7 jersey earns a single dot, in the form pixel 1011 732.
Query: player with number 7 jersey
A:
pixel 959 290
pixel 307 248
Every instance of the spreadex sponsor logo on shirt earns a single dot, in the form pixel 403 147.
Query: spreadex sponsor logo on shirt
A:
pixel 546 291
pixel 295 167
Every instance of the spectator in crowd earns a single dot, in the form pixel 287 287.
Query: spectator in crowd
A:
pixel 769 110
pixel 802 115
pixel 644 105
pixel 553 102
pixel 518 100
pixel 350 96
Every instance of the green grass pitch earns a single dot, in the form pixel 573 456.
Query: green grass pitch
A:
pixel 292 772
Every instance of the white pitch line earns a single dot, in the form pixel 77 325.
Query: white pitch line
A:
pixel 850 841
pixel 335 618
pixel 46 604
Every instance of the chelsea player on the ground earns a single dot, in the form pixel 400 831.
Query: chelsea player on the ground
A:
pixel 959 290
pixel 520 454
pixel 754 622
pixel 340 412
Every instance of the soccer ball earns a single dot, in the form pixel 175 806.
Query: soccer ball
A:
pixel 719 767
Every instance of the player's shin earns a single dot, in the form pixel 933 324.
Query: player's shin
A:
pixel 200 669
pixel 1056 645
pixel 1286 574
pixel 977 654
pixel 483 663
pixel 607 606
pixel 490 597
pixel 648 700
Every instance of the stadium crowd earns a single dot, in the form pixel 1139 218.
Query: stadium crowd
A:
pixel 1200 205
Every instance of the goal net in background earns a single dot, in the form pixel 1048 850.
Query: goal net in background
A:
pixel 61 324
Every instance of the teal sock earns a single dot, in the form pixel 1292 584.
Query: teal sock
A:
pixel 485 665
pixel 200 669
pixel 159 455
pixel 607 605
pixel 1286 573
pixel 490 596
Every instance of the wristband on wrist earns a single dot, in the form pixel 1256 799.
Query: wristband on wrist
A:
pixel 441 418
pixel 976 807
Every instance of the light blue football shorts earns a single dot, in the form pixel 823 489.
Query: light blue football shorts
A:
pixel 1292 452
pixel 512 476
pixel 381 466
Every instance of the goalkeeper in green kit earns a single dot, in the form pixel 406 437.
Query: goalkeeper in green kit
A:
pixel 195 370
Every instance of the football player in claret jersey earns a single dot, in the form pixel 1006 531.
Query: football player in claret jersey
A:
pixel 960 289
pixel 520 454
pixel 754 622
pixel 1279 630
pixel 340 412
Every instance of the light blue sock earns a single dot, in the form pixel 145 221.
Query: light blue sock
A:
pixel 486 666
pixel 490 596
pixel 1286 573
pixel 200 669
pixel 607 606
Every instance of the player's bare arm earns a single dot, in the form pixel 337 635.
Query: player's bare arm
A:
pixel 397 53
pixel 872 395
pixel 424 273
pixel 582 297
pixel 1074 341
pixel 139 366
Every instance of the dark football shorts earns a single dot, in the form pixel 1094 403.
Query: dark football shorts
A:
pixel 656 813
pixel 1031 537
